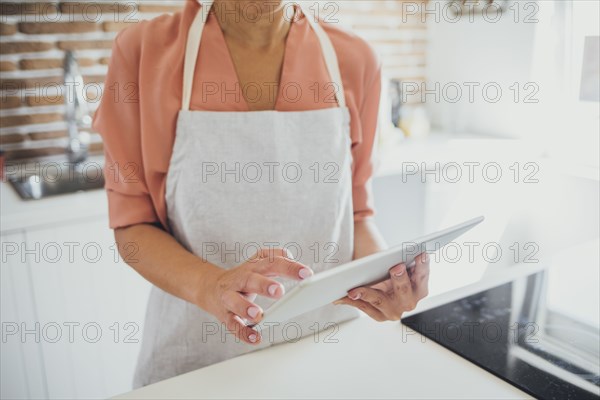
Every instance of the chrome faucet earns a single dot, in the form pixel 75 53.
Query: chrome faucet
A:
pixel 77 115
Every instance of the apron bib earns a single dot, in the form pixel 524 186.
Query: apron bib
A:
pixel 240 181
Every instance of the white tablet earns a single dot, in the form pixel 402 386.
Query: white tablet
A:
pixel 325 287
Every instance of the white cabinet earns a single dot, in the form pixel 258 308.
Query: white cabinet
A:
pixel 86 312
pixel 20 352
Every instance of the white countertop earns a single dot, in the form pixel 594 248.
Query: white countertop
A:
pixel 369 360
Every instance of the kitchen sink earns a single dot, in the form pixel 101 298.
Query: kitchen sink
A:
pixel 38 179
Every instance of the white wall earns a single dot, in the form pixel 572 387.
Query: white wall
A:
pixel 480 51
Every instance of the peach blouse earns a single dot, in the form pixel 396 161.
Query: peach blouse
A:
pixel 142 96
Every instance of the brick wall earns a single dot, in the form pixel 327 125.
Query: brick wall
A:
pixel 35 34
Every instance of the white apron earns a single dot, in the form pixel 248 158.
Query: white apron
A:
pixel 239 181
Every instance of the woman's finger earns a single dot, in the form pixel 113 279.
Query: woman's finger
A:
pixel 365 307
pixel 241 306
pixel 404 298
pixel 261 285
pixel 234 324
pixel 284 267
pixel 375 297
pixel 389 304
pixel 384 286
pixel 270 254
pixel 420 276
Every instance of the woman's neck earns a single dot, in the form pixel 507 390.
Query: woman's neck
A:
pixel 254 23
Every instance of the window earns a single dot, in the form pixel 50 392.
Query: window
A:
pixel 572 124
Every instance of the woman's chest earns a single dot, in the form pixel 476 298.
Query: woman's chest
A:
pixel 258 74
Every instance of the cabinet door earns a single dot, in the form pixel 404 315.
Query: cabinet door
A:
pixel 90 306
pixel 22 374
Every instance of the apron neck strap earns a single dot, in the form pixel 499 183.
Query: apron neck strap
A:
pixel 331 60
pixel 193 46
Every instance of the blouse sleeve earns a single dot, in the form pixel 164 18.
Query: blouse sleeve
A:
pixel 118 122
pixel 363 152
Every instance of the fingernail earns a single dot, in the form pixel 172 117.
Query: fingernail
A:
pixel 425 257
pixel 289 256
pixel 305 273
pixel 337 302
pixel 400 271
pixel 354 296
pixel 273 289
pixel 253 337
pixel 253 312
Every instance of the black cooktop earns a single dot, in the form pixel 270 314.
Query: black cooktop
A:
pixel 515 332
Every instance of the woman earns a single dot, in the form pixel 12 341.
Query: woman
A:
pixel 238 153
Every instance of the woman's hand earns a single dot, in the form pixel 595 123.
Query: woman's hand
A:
pixel 388 300
pixel 229 295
